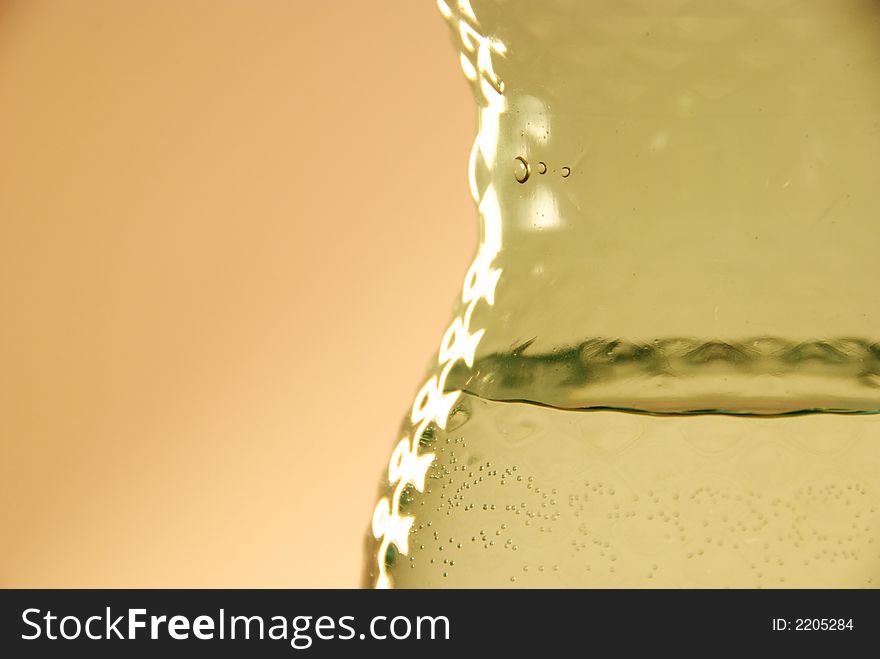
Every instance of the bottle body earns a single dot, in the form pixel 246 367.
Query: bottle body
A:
pixel 523 495
pixel 666 365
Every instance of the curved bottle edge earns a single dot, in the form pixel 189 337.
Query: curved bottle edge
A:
pixel 390 527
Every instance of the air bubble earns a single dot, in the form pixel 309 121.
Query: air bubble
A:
pixel 566 171
pixel 521 169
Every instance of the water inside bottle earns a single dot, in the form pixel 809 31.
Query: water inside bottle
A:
pixel 524 494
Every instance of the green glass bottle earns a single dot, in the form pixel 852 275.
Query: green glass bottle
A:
pixel 665 367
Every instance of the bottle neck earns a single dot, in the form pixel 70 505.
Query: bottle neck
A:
pixel 668 231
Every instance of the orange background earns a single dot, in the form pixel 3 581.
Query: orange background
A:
pixel 230 236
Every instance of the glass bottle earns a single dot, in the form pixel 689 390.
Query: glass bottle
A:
pixel 665 366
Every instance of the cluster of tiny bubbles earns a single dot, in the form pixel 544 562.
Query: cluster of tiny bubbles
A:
pixel 462 483
pixel 522 170
pixel 593 526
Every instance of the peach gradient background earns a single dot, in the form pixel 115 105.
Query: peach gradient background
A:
pixel 231 232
